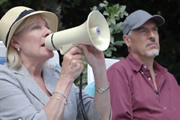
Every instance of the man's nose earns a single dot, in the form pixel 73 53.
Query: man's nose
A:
pixel 151 34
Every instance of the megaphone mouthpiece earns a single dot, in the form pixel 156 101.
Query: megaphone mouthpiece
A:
pixel 51 45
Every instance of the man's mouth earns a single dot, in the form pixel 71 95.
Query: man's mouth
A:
pixel 153 44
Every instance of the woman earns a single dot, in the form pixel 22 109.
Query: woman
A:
pixel 29 89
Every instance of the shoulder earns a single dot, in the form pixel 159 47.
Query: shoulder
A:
pixel 9 78
pixel 4 67
pixel 121 66
pixel 120 72
pixel 5 72
pixel 170 76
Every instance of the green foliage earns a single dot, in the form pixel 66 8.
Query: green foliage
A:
pixel 113 14
pixel 3 1
pixel 84 75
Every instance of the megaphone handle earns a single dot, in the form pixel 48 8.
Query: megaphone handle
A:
pixel 81 100
pixel 64 48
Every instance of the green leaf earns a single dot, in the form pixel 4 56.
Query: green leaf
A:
pixel 3 1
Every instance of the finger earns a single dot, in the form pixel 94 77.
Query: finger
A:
pixel 74 50
pixel 77 62
pixel 69 56
pixel 84 48
pixel 77 56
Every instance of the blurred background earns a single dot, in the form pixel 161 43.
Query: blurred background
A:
pixel 73 13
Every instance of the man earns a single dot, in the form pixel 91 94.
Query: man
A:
pixel 140 88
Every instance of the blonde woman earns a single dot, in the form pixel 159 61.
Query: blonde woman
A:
pixel 29 89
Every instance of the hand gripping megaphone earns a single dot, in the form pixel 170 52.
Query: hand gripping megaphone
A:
pixel 94 31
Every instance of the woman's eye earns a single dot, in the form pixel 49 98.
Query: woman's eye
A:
pixel 36 27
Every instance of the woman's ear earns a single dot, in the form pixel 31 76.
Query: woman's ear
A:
pixel 14 42
pixel 127 40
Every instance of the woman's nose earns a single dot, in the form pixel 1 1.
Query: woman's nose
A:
pixel 47 31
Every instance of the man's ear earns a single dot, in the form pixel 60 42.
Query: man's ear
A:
pixel 14 42
pixel 127 40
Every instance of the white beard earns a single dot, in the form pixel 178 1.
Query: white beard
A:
pixel 152 53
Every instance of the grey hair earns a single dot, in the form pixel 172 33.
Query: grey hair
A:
pixel 129 33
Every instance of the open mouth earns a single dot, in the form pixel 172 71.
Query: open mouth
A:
pixel 43 45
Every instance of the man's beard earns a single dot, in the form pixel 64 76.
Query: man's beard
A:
pixel 152 53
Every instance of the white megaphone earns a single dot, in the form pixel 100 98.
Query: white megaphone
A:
pixel 95 31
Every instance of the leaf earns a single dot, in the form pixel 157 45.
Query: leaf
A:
pixel 3 1
pixel 119 43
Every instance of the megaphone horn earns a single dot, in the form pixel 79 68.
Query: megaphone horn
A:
pixel 94 31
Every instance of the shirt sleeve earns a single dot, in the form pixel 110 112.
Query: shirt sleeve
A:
pixel 120 93
pixel 15 105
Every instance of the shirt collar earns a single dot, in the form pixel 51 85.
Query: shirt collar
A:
pixel 137 66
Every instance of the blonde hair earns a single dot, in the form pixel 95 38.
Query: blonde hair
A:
pixel 13 58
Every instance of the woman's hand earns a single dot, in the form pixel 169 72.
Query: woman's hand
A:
pixel 72 64
pixel 94 57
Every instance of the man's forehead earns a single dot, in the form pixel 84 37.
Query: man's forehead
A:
pixel 148 24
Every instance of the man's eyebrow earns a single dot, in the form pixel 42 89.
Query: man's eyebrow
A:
pixel 140 28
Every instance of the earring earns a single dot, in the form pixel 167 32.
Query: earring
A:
pixel 18 49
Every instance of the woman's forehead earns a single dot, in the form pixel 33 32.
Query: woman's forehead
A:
pixel 35 20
